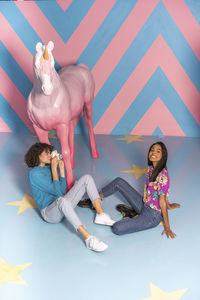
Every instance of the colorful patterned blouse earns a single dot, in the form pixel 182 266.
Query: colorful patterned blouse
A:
pixel 152 190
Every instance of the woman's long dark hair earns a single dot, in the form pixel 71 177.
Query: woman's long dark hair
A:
pixel 32 156
pixel 161 164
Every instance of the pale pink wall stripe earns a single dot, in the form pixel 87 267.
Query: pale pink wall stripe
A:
pixel 64 4
pixel 88 27
pixel 179 79
pixel 43 27
pixel 70 52
pixel 14 98
pixel 4 127
pixel 158 115
pixel 122 40
pixel 186 22
pixel 128 92
pixel 158 54
pixel 16 47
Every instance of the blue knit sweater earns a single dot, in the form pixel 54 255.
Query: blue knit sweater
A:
pixel 44 189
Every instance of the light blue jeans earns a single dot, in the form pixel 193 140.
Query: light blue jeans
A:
pixel 147 217
pixel 64 206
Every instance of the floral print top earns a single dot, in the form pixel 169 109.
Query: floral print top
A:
pixel 152 190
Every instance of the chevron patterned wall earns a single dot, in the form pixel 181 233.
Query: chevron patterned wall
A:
pixel 144 55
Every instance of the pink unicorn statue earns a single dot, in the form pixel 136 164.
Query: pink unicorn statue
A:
pixel 57 102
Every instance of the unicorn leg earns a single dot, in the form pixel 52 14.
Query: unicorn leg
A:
pixel 71 141
pixel 63 136
pixel 87 111
pixel 42 134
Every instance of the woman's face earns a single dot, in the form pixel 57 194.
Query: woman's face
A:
pixel 45 157
pixel 155 154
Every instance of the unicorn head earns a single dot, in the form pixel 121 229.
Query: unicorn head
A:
pixel 43 66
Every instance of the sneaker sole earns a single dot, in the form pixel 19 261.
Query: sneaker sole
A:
pixel 99 223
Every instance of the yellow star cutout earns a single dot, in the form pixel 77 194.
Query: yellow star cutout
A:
pixel 26 202
pixel 158 294
pixel 51 135
pixel 138 171
pixel 11 273
pixel 131 138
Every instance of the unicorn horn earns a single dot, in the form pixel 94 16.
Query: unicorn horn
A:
pixel 46 54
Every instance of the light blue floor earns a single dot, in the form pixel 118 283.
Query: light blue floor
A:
pixel 61 266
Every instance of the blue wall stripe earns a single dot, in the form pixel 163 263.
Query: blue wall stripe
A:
pixel 10 117
pixel 157 132
pixel 106 32
pixel 14 71
pixel 194 6
pixel 66 22
pixel 135 53
pixel 17 21
pixel 28 36
pixel 158 86
pixel 178 45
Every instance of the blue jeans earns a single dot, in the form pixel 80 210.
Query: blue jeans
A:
pixel 147 217
pixel 65 206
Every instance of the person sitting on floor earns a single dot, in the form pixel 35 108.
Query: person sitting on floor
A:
pixel 148 211
pixel 48 183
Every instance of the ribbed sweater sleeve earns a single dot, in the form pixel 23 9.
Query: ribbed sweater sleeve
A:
pixel 44 184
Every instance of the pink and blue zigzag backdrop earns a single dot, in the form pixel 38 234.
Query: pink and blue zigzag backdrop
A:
pixel 144 55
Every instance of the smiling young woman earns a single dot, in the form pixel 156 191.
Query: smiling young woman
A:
pixel 152 207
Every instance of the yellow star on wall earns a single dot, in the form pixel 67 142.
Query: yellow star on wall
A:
pixel 11 273
pixel 51 135
pixel 158 294
pixel 138 171
pixel 131 138
pixel 26 202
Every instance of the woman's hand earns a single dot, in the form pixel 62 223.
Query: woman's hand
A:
pixel 173 205
pixel 62 168
pixel 164 206
pixel 54 162
pixel 61 164
pixel 169 233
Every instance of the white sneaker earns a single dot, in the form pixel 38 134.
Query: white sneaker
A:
pixel 95 244
pixel 104 219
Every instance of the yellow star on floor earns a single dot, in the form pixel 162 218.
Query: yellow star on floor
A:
pixel 11 273
pixel 26 202
pixel 51 135
pixel 158 294
pixel 138 171
pixel 131 138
